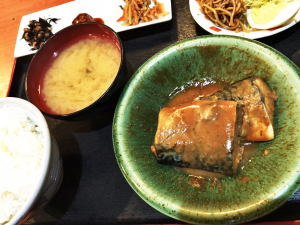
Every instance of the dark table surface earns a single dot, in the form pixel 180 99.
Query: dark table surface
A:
pixel 94 190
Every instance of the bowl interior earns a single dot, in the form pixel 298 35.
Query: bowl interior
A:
pixel 272 178
pixel 45 56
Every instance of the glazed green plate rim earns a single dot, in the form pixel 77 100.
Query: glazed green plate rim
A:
pixel 124 164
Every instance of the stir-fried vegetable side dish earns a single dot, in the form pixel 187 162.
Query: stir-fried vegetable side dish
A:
pixel 138 11
pixel 228 14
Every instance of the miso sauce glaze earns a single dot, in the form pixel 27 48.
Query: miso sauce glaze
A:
pixel 188 95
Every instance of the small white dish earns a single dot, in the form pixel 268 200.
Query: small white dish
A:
pixel 211 28
pixel 109 11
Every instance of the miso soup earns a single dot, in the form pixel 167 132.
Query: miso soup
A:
pixel 80 74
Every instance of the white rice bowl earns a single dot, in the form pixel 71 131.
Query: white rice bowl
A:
pixel 21 154
pixel 30 163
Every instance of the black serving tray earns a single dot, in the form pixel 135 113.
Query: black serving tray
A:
pixel 94 190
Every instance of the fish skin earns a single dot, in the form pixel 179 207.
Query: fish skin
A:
pixel 257 101
pixel 182 142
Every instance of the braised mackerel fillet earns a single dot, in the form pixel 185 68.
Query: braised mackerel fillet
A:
pixel 256 100
pixel 199 135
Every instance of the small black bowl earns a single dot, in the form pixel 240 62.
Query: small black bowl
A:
pixel 50 49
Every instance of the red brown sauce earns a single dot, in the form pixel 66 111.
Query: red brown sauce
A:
pixel 84 17
pixel 99 20
pixel 244 179
pixel 187 95
pixel 198 178
pixel 199 182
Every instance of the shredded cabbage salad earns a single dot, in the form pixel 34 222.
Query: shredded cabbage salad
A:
pixel 259 3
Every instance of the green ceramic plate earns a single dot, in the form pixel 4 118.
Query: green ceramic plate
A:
pixel 272 179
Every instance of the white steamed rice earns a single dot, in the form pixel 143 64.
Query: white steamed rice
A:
pixel 21 152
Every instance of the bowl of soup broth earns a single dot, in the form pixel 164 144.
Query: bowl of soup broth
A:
pixel 77 73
